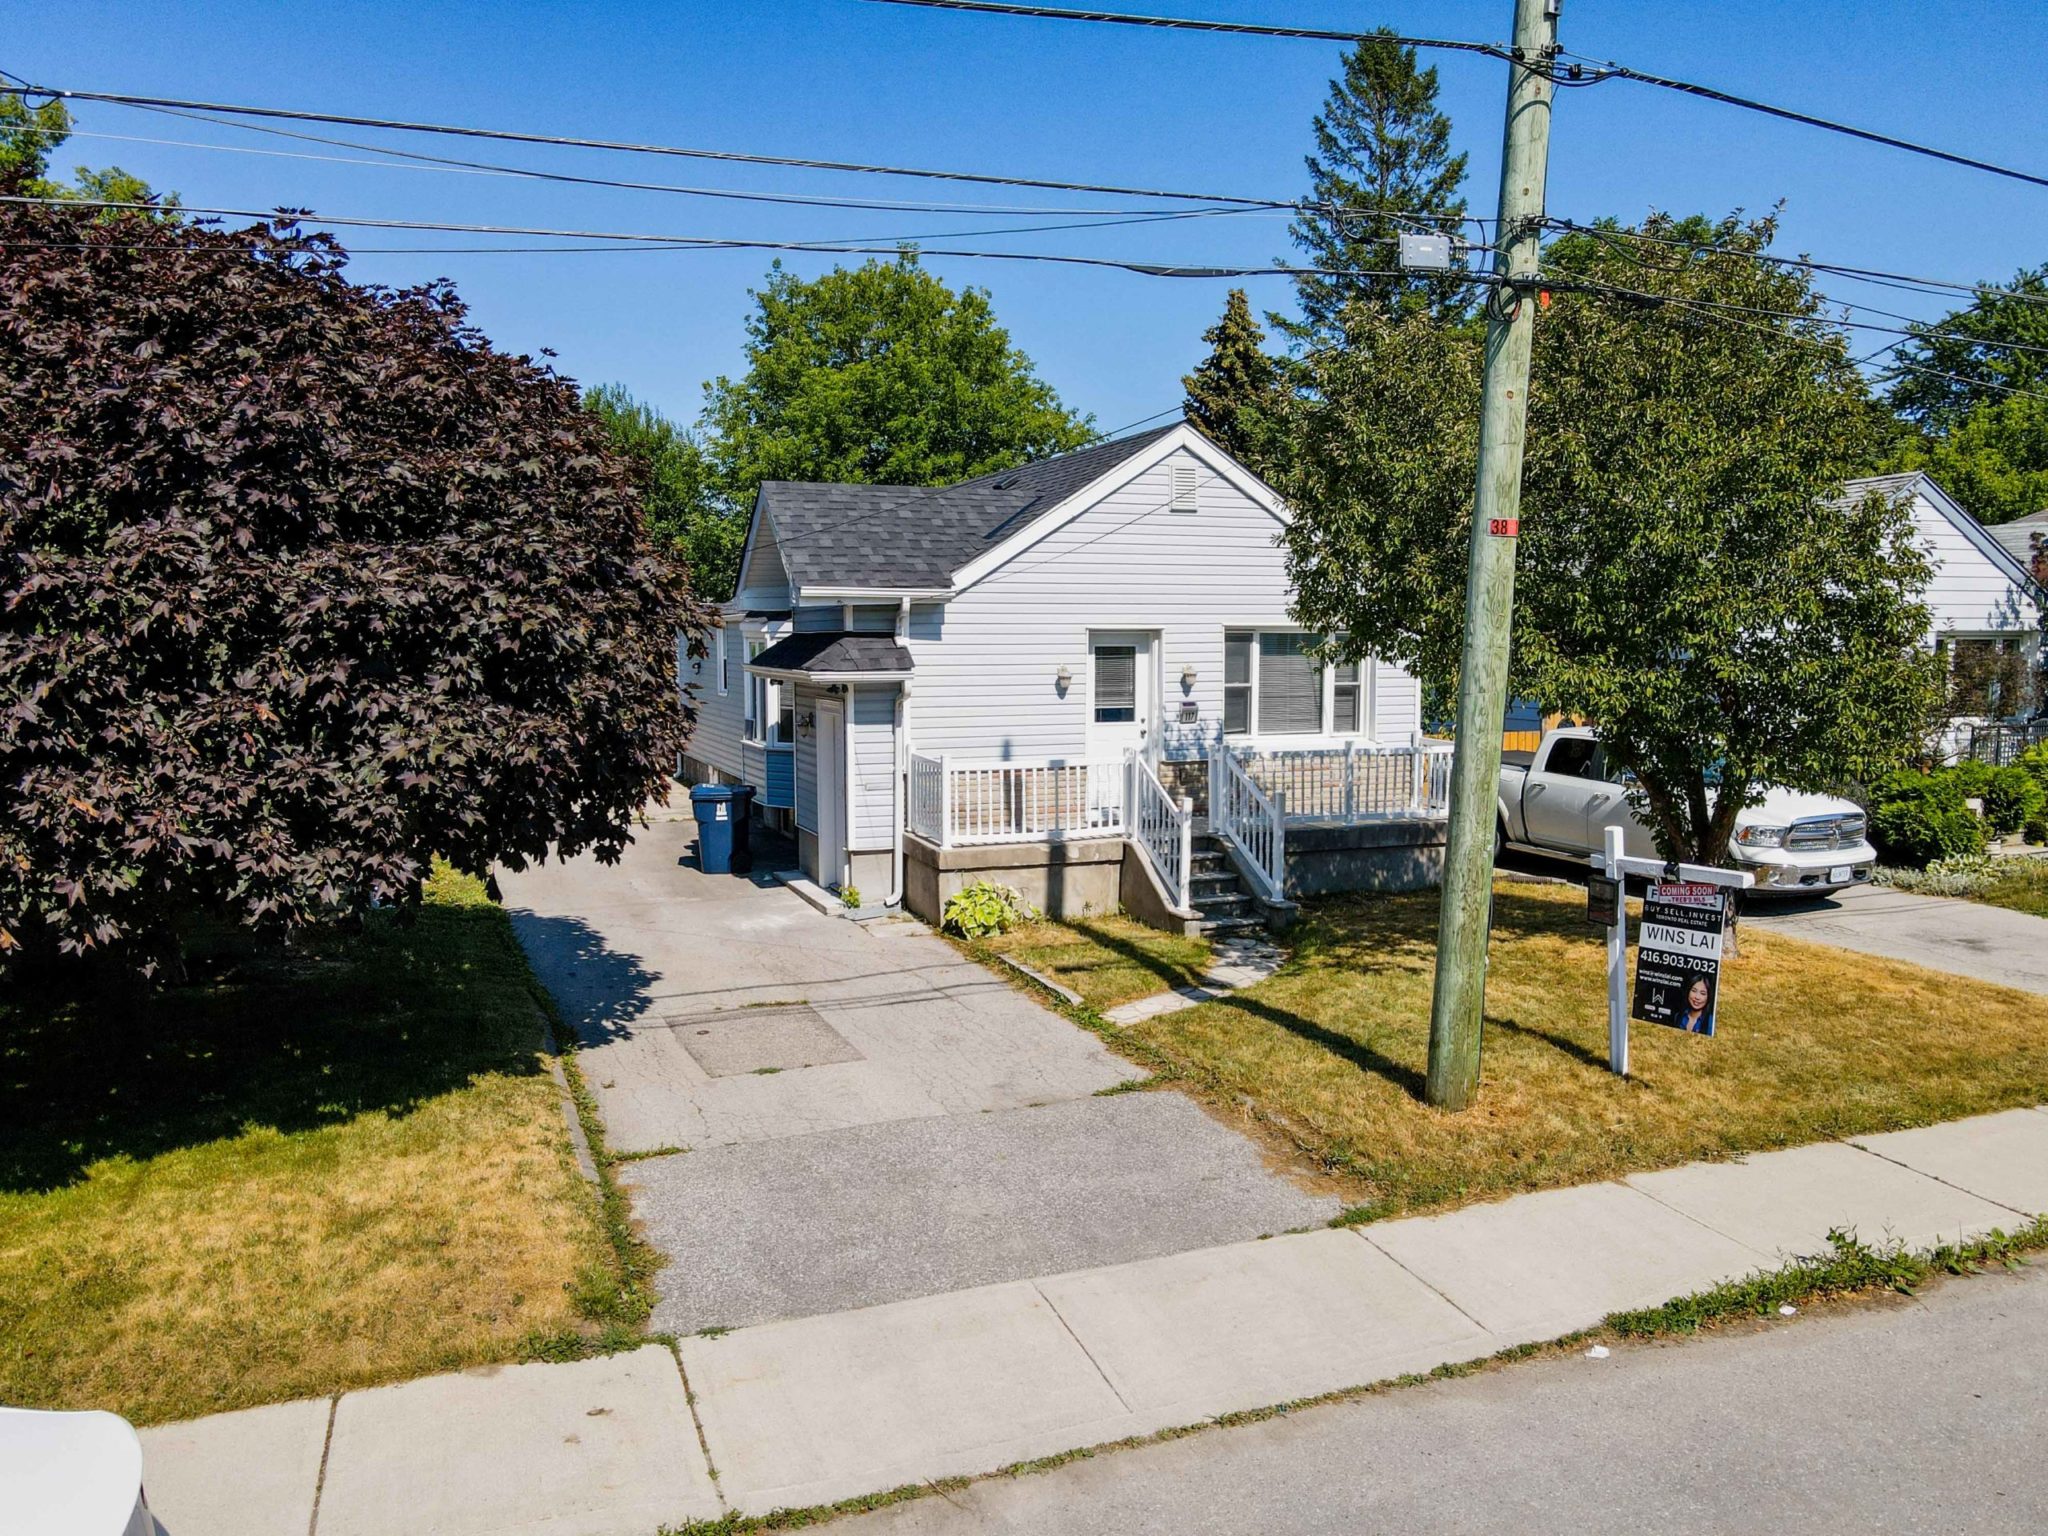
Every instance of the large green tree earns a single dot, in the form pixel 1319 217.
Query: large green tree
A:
pixel 683 508
pixel 1383 150
pixel 878 374
pixel 29 136
pixel 1691 578
pixel 1234 393
pixel 1973 387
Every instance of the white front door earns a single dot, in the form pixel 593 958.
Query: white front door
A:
pixel 831 728
pixel 1123 694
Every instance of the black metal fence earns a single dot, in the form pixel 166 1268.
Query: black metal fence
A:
pixel 2000 744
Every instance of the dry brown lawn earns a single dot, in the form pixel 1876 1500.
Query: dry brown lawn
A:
pixel 1814 1043
pixel 307 1175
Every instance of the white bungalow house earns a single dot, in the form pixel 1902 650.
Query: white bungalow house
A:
pixel 1985 607
pixel 1080 677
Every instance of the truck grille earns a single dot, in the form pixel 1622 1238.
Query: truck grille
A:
pixel 1825 832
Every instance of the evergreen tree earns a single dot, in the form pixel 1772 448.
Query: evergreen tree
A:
pixel 1232 393
pixel 1381 143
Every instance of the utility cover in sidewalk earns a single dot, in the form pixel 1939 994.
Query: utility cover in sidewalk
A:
pixel 777 1039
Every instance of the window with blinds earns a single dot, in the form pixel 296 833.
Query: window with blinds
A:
pixel 1274 686
pixel 1290 686
pixel 1238 646
pixel 1116 683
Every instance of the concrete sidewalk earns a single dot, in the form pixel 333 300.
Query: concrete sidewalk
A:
pixel 822 1408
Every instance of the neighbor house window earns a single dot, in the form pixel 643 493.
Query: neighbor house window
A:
pixel 1116 683
pixel 723 661
pixel 1274 685
pixel 1987 675
pixel 785 717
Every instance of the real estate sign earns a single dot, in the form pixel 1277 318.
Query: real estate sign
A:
pixel 1678 956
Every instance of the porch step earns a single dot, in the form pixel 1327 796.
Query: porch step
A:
pixel 1225 905
pixel 1204 885
pixel 1228 927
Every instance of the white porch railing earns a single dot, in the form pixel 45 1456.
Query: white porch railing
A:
pixel 955 803
pixel 1162 827
pixel 1251 821
pixel 1353 783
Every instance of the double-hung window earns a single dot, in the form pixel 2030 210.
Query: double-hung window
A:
pixel 722 661
pixel 1275 685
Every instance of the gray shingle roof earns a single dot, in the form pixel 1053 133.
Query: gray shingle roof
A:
pixel 2019 535
pixel 896 536
pixel 834 650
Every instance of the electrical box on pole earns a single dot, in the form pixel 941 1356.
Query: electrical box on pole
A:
pixel 1463 927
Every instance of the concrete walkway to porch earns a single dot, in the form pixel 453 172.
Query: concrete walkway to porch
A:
pixel 824 1408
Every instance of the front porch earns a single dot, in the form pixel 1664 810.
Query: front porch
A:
pixel 1207 844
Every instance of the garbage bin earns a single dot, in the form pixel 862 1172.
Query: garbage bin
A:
pixel 722 814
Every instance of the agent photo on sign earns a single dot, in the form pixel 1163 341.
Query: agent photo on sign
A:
pixel 1697 1016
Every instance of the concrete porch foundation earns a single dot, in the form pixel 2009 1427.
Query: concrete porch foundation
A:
pixel 1061 879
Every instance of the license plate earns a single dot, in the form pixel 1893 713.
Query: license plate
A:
pixel 1841 874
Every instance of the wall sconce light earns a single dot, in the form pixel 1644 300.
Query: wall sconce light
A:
pixel 1064 677
pixel 1187 675
pixel 807 722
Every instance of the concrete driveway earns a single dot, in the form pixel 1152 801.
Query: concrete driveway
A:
pixel 1943 934
pixel 829 1115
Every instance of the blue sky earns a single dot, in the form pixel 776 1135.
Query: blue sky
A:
pixel 845 80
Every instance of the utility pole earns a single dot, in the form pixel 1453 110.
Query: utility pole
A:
pixel 1462 930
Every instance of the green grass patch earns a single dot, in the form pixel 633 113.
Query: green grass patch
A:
pixel 1850 1267
pixel 1815 1044
pixel 1108 960
pixel 2021 885
pixel 302 1173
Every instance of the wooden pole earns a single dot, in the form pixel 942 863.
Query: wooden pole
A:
pixel 1459 1001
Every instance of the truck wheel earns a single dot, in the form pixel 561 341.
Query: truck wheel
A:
pixel 1500 841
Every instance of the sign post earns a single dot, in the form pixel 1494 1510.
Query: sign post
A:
pixel 1617 867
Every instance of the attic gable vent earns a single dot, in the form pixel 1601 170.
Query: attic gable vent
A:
pixel 1184 494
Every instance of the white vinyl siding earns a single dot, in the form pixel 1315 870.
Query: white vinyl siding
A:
pixel 871 760
pixel 988 661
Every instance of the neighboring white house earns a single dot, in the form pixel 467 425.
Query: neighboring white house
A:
pixel 1984 603
pixel 1061 676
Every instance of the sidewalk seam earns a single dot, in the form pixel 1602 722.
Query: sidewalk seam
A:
pixel 320 1477
pixel 697 1422
pixel 1085 1350
pixel 1951 1183
pixel 1419 1280
pixel 1700 1222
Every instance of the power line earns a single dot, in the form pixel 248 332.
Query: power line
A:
pixel 1195 24
pixel 1572 75
pixel 1614 71
pixel 413 160
pixel 397 125
pixel 1834 268
pixel 1732 314
pixel 693 242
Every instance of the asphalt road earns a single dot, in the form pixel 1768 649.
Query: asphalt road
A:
pixel 1927 1415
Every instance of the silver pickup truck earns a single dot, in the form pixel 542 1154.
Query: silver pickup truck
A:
pixel 1562 798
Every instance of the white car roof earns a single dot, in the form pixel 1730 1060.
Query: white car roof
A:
pixel 68 1474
